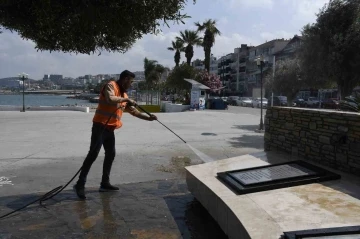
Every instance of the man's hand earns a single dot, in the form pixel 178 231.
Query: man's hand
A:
pixel 152 117
pixel 131 102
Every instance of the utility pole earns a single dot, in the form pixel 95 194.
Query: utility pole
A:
pixel 223 73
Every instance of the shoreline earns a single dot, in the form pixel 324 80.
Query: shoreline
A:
pixel 85 109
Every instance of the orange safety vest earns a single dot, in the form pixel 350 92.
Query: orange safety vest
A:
pixel 105 109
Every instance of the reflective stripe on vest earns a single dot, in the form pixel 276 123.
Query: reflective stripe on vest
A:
pixel 109 112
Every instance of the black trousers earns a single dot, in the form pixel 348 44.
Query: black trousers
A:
pixel 99 137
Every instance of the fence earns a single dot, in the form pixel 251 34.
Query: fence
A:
pixel 146 97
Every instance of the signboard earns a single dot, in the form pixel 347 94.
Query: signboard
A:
pixel 275 176
pixel 202 103
pixel 271 173
pixel 195 96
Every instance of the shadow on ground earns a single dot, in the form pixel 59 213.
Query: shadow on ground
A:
pixel 161 209
pixel 246 127
pixel 192 218
pixel 248 141
pixel 209 134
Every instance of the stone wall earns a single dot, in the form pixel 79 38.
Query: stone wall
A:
pixel 330 138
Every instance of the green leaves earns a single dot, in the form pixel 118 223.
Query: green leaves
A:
pixel 177 75
pixel 351 103
pixel 286 80
pixel 209 26
pixel 88 26
pixel 331 46
pixel 152 71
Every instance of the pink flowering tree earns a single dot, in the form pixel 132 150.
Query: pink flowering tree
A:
pixel 210 80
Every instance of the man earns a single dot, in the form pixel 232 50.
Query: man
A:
pixel 112 102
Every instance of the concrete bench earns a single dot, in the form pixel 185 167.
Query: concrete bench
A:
pixel 269 214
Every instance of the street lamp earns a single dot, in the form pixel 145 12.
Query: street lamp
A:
pixel 260 63
pixel 23 76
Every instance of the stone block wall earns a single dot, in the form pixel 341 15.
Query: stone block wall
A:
pixel 330 138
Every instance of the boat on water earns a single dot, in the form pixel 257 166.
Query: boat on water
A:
pixel 94 99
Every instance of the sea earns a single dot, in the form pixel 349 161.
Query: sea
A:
pixel 42 100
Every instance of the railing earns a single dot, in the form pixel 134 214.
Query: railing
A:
pixel 150 97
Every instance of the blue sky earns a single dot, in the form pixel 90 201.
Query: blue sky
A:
pixel 249 22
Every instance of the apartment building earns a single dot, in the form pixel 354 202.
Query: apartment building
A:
pixel 239 72
pixel 289 50
pixel 226 70
pixel 238 81
pixel 253 73
pixel 232 70
pixel 200 65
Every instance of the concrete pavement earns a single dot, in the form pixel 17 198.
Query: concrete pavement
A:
pixel 42 150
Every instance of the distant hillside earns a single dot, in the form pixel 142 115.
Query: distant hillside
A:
pixel 13 79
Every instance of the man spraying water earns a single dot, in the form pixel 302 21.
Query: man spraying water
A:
pixel 113 102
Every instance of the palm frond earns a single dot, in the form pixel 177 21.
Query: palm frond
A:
pixel 351 103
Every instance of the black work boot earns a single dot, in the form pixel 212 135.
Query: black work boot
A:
pixel 107 187
pixel 80 191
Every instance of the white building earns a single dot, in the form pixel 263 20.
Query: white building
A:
pixel 200 65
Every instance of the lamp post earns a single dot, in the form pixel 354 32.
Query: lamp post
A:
pixel 260 63
pixel 23 77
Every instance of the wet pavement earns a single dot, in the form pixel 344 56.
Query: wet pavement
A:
pixel 42 150
pixel 162 209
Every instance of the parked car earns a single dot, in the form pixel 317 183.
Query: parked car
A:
pixel 232 100
pixel 299 102
pixel 256 102
pixel 224 98
pixel 278 101
pixel 312 102
pixel 244 101
pixel 216 103
pixel 330 103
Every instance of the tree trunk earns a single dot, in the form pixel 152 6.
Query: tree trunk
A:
pixel 207 51
pixel 189 53
pixel 177 58
pixel 344 89
pixel 290 99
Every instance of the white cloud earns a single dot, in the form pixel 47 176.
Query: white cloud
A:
pixel 258 27
pixel 226 44
pixel 306 10
pixel 223 21
pixel 20 55
pixel 282 20
pixel 251 3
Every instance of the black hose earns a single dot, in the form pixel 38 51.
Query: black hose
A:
pixel 162 124
pixel 59 189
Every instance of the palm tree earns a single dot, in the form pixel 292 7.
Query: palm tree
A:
pixel 178 47
pixel 209 38
pixel 153 72
pixel 149 68
pixel 192 39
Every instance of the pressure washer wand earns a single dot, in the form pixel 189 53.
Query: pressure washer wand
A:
pixel 160 123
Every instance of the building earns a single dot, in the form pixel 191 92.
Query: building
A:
pixel 213 65
pixel 290 49
pixel 200 65
pixel 226 70
pixel 232 70
pixel 238 80
pixel 253 74
pixel 139 75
